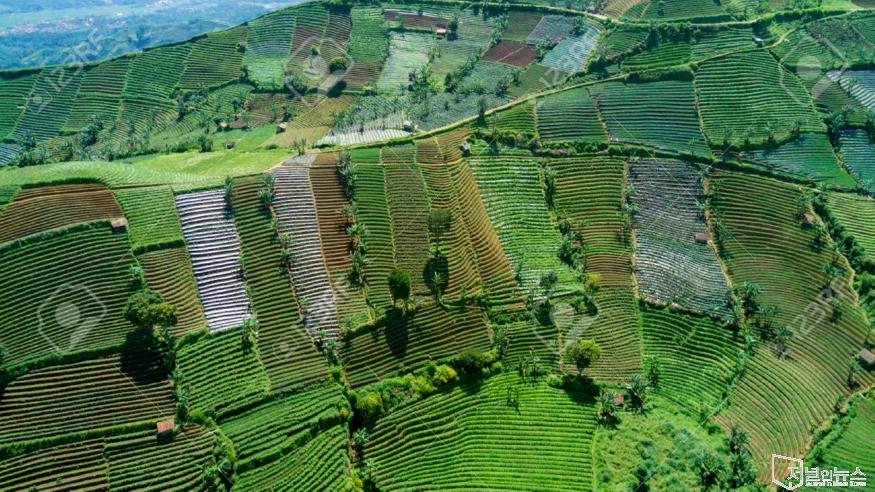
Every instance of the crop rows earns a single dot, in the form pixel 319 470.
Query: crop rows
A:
pixel 470 438
pixel 64 292
pixel 14 90
pixel 570 54
pixel 151 215
pixel 589 194
pixel 131 461
pixel 48 106
pixel 408 208
pixel 268 43
pixel 774 99
pixel 472 38
pixel 215 257
pixel 403 343
pixel 809 155
pixel 287 352
pixel 330 199
pixel 309 30
pixel 679 9
pixel 622 39
pixel 168 272
pixel 519 118
pixel 408 52
pixel 373 212
pixel 552 29
pixel 368 45
pixel 42 209
pixel 695 356
pixel 520 24
pixel 512 53
pixel 780 402
pixel 853 447
pixel 858 153
pixel 88 395
pixel 296 214
pixel 857 215
pixel 659 114
pixel 534 78
pixel 486 76
pixel 214 59
pixel 270 430
pixel 672 266
pixel 569 116
pixel 492 263
pixel 155 73
pixel 220 372
pixel 137 461
pixel 320 464
pixel 513 194
pixel 336 35
pixel 457 246
pixel 74 466
pixel 99 94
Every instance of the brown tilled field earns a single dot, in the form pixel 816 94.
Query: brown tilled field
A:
pixel 511 53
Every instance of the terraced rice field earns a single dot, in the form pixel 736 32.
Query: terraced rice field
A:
pixel 569 116
pixel 551 28
pixel 851 449
pixel 168 272
pixel 296 214
pixel 133 460
pixel 99 94
pixel 137 461
pixel 240 382
pixel 453 440
pixel 214 60
pixel 672 266
pixel 408 52
pixel 268 44
pixel 64 292
pixel 269 431
pixel 774 97
pixel 570 54
pixel 321 462
pixel 374 214
pixel 48 105
pixel 858 154
pixel 857 215
pixel 215 258
pixel 516 119
pixel 589 193
pixel 696 356
pixel 810 155
pixel 407 342
pixel 655 10
pixel 68 205
pixel 519 25
pixel 780 402
pixel 859 83
pixel 287 351
pixel 152 218
pixel 513 194
pixel 85 396
pixel 14 89
pixel 472 39
pixel 657 114
pixel 408 207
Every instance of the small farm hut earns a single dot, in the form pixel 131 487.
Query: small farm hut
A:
pixel 701 237
pixel 118 224
pixel 867 359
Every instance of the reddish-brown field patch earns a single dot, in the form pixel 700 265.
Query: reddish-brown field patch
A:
pixel 511 53
pixel 417 21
